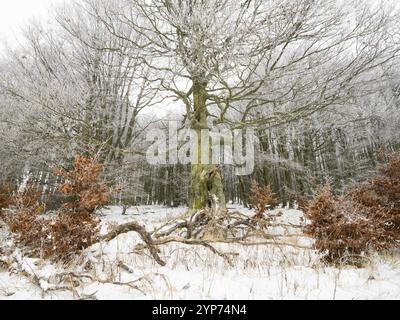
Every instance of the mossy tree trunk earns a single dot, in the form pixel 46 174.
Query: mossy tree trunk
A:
pixel 206 181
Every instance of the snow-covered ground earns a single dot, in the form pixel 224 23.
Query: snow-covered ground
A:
pixel 115 270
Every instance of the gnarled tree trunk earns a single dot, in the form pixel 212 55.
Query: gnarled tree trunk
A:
pixel 206 181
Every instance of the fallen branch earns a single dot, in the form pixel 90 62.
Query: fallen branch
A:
pixel 167 233
pixel 227 241
pixel 134 227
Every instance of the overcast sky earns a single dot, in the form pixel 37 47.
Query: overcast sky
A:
pixel 14 13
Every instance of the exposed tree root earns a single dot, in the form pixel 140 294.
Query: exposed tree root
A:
pixel 203 228
pixel 146 237
pixel 206 228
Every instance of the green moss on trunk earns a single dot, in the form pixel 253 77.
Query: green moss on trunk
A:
pixel 206 181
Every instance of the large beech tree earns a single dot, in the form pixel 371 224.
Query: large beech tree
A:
pixel 239 64
pixel 250 63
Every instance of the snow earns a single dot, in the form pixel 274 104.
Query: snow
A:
pixel 115 271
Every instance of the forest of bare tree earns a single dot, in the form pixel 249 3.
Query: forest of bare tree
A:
pixel 110 104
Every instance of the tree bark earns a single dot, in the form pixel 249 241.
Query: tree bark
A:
pixel 206 181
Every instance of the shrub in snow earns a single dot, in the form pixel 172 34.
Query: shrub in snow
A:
pixel 261 199
pixel 366 218
pixel 83 187
pixel 74 227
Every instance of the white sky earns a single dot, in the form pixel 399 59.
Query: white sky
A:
pixel 15 13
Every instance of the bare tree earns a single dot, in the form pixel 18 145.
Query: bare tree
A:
pixel 66 93
pixel 250 63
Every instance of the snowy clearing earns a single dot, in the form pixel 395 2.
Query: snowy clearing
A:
pixel 115 271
